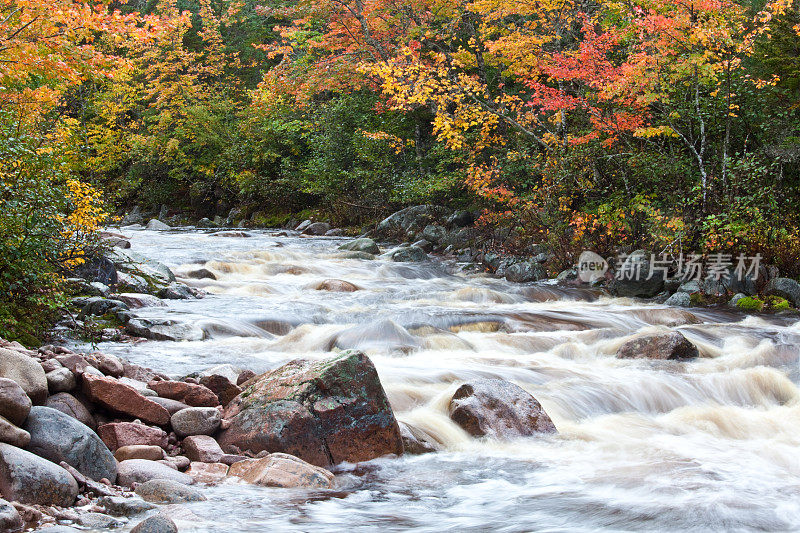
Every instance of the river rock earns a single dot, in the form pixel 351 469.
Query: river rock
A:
pixel 122 398
pixel 224 387
pixel 335 285
pixel 70 405
pixel 679 299
pixel 177 462
pixel 408 254
pixel 363 244
pixel 191 394
pixel 168 491
pixel 139 451
pixel 30 479
pixel 155 524
pixel 26 372
pixel 136 300
pixel 672 345
pixel 11 434
pixel 99 521
pixel 120 434
pixel 157 225
pixel 141 471
pixel 137 264
pixel 201 273
pixel 525 271
pixel 380 335
pixel 122 506
pixel 282 470
pixel 499 409
pixel 172 406
pixel 317 228
pixel 109 365
pixel 164 329
pixel 10 520
pixel 14 403
pixel 196 421
pixel 59 437
pixel 434 233
pixel 60 380
pixel 784 288
pixel 208 473
pixel 324 412
pixel 410 219
pixel 416 441
pixel 635 271
pixel 202 448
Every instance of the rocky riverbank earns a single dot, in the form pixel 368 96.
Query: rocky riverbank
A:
pixel 414 232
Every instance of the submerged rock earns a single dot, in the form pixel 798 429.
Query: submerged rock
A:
pixel 672 345
pixel 363 244
pixel 282 470
pixel 324 412
pixel 164 329
pixel 155 524
pixel 499 409
pixel 336 285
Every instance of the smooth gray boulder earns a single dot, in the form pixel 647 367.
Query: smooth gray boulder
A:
pixel 168 491
pixel 59 437
pixel 26 372
pixel 30 479
pixel 122 506
pixel 141 470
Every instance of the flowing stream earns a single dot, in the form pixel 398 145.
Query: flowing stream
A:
pixel 712 444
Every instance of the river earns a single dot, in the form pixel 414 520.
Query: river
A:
pixel 712 444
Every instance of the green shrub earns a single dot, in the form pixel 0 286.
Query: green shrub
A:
pixel 750 303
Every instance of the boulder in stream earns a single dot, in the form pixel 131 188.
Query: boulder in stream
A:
pixel 363 244
pixel 499 409
pixel 282 470
pixel 672 345
pixel 323 411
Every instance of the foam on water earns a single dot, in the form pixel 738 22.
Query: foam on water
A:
pixel 710 444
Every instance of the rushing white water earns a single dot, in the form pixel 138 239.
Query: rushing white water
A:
pixel 712 444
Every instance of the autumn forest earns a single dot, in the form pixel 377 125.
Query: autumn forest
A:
pixel 663 124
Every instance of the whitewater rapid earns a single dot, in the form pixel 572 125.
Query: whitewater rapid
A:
pixel 711 444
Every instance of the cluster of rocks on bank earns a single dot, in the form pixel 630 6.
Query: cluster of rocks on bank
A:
pixel 89 430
